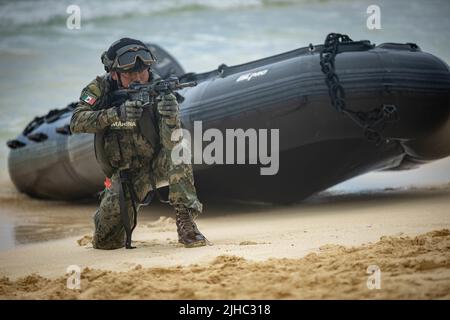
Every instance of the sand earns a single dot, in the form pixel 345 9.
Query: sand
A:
pixel 320 249
pixel 417 268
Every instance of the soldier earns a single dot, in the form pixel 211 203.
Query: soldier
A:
pixel 128 154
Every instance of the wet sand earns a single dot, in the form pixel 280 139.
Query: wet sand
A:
pixel 258 252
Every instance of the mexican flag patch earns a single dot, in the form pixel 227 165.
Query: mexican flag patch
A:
pixel 90 100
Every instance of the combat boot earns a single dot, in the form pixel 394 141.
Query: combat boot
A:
pixel 188 233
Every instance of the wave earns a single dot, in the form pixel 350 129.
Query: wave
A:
pixel 14 14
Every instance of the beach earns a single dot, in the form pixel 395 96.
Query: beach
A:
pixel 258 251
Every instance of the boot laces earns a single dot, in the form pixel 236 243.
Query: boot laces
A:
pixel 186 221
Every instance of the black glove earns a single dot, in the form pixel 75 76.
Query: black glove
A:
pixel 168 106
pixel 129 111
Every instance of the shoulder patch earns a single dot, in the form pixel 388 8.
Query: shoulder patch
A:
pixel 89 99
pixel 93 92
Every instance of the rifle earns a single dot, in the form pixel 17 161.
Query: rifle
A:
pixel 148 92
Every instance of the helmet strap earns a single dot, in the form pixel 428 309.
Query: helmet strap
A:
pixel 119 80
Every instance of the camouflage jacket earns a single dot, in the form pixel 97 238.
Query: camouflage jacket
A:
pixel 93 114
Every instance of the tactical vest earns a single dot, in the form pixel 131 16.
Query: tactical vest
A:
pixel 147 126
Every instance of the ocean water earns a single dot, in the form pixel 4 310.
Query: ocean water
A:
pixel 44 65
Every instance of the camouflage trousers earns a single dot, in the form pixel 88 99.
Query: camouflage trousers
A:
pixel 109 231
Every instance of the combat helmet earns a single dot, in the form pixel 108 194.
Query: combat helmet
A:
pixel 127 55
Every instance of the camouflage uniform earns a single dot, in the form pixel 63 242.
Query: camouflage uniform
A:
pixel 137 155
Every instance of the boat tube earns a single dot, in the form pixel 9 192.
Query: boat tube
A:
pixel 399 97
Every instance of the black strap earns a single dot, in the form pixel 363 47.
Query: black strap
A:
pixel 126 185
pixel 148 127
pixel 124 215
pixel 134 200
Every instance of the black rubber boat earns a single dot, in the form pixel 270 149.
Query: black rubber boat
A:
pixel 387 109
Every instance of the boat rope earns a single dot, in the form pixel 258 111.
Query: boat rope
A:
pixel 372 122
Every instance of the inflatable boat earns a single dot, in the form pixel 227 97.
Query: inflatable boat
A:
pixel 340 110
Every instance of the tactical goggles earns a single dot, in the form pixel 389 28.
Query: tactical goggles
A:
pixel 127 56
